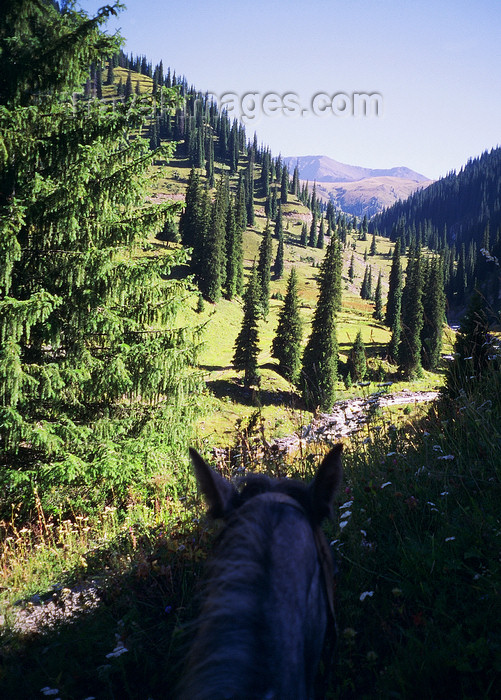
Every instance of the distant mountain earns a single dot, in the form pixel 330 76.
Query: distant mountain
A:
pixel 368 196
pixel 356 190
pixel 325 169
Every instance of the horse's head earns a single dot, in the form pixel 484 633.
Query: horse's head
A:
pixel 317 498
pixel 269 590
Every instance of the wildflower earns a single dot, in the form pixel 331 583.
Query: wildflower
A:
pixel 426 434
pixel 168 609
pixel 444 493
pixel 418 620
pixel 343 524
pixel 429 503
pixel 397 592
pixel 346 505
pixel 366 594
pixel 386 483
pixel 437 448
pixel 349 633
pixel 449 539
pixel 117 651
pixel 371 656
pixel 446 457
pixel 346 514
pixel 391 454
pixel 49 691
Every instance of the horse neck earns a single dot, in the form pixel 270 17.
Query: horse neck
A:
pixel 264 614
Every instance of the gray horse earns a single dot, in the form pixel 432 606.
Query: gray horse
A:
pixel 269 592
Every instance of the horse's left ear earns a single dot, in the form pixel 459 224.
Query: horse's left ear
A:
pixel 326 483
pixel 217 490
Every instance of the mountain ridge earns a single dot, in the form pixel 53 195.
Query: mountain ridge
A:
pixel 326 169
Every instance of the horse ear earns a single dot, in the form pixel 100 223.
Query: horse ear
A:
pixel 217 490
pixel 326 482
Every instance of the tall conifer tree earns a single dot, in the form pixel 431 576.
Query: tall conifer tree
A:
pixel 287 342
pixel 409 351
pixel 357 361
pixel 378 310
pixel 89 360
pixel 246 344
pixel 320 359
pixel 264 270
pixel 434 316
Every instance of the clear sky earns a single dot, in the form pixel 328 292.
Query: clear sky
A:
pixel 435 63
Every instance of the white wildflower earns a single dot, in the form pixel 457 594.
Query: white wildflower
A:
pixel 343 524
pixel 386 483
pixel 449 539
pixel 366 594
pixel 346 514
pixel 346 505
pixel 446 457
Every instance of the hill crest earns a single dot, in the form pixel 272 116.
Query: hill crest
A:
pixel 325 169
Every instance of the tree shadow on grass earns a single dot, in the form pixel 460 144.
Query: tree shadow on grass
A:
pixel 258 397
pixel 141 606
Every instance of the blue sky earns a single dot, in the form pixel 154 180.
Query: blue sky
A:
pixel 436 65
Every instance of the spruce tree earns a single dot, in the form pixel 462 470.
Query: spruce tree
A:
pixel 279 226
pixel 364 289
pixel 351 269
pixel 91 366
pixel 278 266
pixel 378 311
pixel 434 316
pixel 321 235
pixel 295 181
pixel 312 240
pixel 213 272
pixel 287 342
pixel 393 304
pixel 409 351
pixel 373 249
pixel 128 86
pixel 233 254
pixel 357 362
pixel 246 344
pixel 284 189
pixel 320 359
pixel 304 234
pixel 264 270
pixel 190 218
pixel 110 78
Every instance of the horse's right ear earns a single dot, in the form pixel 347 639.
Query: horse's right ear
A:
pixel 326 483
pixel 217 490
